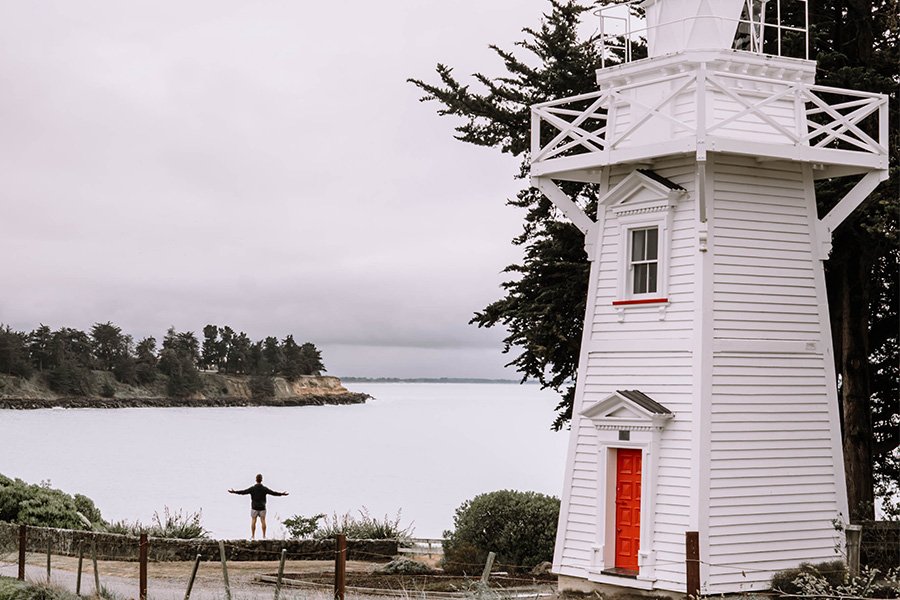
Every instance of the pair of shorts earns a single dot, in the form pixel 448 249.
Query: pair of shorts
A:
pixel 257 513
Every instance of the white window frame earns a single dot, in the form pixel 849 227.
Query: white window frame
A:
pixel 661 218
pixel 633 263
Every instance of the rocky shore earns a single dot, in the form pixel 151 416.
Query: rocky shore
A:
pixel 311 400
pixel 218 390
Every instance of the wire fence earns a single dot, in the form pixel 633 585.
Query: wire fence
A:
pixel 36 551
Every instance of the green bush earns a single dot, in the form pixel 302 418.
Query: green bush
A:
pixel 300 527
pixel 834 572
pixel 520 527
pixel 12 589
pixel 43 506
pixel 831 580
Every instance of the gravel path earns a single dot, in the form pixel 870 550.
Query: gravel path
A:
pixel 168 581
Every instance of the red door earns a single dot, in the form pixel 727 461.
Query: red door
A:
pixel 628 508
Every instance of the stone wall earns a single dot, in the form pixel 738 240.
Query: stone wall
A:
pixel 111 546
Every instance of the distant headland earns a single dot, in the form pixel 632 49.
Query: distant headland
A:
pixel 217 389
pixel 105 368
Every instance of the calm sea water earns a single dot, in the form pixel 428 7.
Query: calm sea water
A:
pixel 419 448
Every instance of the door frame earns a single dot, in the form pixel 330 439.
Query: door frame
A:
pixel 617 493
pixel 604 555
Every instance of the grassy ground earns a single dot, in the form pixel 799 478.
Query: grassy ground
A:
pixel 12 589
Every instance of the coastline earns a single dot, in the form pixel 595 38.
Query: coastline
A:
pixel 218 390
pixel 82 402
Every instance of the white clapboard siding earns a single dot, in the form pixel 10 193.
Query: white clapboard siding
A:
pixel 764 280
pixel 773 492
pixel 772 485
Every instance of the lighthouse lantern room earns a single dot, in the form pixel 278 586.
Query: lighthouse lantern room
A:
pixel 706 393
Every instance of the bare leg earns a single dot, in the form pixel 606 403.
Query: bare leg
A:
pixel 253 528
pixel 262 519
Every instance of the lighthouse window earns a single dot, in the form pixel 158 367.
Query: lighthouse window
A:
pixel 644 263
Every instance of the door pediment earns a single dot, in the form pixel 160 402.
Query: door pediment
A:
pixel 628 410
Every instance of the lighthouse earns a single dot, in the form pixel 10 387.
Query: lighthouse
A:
pixel 706 395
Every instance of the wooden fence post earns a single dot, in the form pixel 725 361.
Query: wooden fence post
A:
pixel 488 565
pixel 23 542
pixel 692 562
pixel 224 569
pixel 187 594
pixel 340 566
pixel 280 573
pixel 96 571
pixel 49 551
pixel 142 572
pixel 80 564
pixel 854 537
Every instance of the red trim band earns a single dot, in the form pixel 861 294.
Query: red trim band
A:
pixel 642 301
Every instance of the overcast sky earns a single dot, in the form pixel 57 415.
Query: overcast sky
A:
pixel 259 164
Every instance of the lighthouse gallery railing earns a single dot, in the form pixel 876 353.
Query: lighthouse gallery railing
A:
pixel 817 116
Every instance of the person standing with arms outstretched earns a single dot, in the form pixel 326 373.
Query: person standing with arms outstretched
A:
pixel 258 495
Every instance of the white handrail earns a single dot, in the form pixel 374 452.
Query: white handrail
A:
pixel 818 123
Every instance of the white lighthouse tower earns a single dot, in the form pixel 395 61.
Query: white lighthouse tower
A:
pixel 706 394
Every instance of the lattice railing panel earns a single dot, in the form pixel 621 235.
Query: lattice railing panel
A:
pixel 728 105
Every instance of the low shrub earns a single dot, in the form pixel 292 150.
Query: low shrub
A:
pixel 13 589
pixel 363 527
pixel 179 525
pixel 44 506
pixel 831 580
pixel 520 527
pixel 834 572
pixel 300 527
pixel 70 379
pixel 262 387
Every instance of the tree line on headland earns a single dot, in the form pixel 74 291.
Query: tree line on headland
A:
pixel 67 358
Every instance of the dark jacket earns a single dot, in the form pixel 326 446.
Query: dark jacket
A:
pixel 258 495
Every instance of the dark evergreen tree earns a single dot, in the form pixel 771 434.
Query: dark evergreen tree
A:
pixel 210 357
pixel 272 353
pixel 108 345
pixel 855 42
pixel 40 346
pixel 237 361
pixel 178 361
pixel 226 338
pixel 311 359
pixel 71 346
pixel 857 46
pixel 146 361
pixel 292 367
pixel 14 358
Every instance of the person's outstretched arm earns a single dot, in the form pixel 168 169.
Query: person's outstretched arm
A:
pixel 243 492
pixel 273 493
